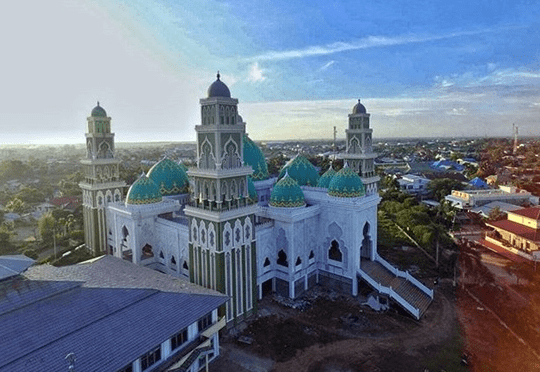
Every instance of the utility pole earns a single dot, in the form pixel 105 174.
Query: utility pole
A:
pixel 334 145
pixel 515 130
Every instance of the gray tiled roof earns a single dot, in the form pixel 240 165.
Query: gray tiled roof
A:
pixel 106 326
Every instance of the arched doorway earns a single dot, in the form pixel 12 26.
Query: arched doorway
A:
pixel 365 251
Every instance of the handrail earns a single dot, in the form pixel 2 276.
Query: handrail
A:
pixel 405 275
pixel 389 291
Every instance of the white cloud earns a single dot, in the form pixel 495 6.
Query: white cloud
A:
pixel 364 43
pixel 256 74
pixel 327 65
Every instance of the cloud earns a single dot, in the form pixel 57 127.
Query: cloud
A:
pixel 327 65
pixel 364 43
pixel 256 74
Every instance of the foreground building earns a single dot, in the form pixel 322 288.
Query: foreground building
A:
pixel 227 226
pixel 107 315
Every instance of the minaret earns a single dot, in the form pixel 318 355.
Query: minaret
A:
pixel 222 250
pixel 101 184
pixel 359 151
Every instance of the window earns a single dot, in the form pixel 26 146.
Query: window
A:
pixel 150 358
pixel 298 261
pixel 282 259
pixel 179 339
pixel 311 255
pixel 204 322
pixel 266 262
pixel 334 253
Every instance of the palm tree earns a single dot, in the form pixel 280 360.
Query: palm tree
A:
pixel 433 236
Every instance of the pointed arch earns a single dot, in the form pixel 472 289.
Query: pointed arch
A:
pixel 207 159
pixel 354 146
pixel 334 253
pixel 231 155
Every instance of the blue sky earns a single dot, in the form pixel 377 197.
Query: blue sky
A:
pixel 422 68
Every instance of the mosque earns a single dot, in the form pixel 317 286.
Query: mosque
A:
pixel 226 225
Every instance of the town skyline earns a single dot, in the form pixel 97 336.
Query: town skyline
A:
pixel 430 70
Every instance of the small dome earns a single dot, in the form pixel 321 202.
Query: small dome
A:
pixel 325 179
pixel 98 111
pixel 359 108
pixel 302 171
pixel 218 89
pixel 287 194
pixel 252 192
pixel 254 157
pixel 143 191
pixel 346 184
pixel 170 177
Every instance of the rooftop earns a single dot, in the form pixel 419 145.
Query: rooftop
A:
pixel 533 212
pixel 119 309
pixel 517 229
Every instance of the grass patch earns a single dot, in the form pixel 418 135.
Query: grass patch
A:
pixel 448 355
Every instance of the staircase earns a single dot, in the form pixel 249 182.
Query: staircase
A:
pixel 407 291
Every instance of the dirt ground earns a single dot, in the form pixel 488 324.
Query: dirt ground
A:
pixel 336 333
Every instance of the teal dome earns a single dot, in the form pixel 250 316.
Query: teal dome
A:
pixel 346 184
pixel 170 177
pixel 143 191
pixel 325 179
pixel 302 171
pixel 254 157
pixel 252 192
pixel 286 193
pixel 98 111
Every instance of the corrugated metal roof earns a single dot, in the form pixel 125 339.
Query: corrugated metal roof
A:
pixel 11 265
pixel 106 326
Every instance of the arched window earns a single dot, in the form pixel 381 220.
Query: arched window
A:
pixel 298 261
pixel 266 262
pixel 282 258
pixel 147 252
pixel 334 253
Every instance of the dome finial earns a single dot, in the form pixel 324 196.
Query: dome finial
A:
pixel 218 75
pixel 98 103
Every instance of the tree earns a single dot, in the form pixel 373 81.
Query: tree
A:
pixel 441 187
pixel 47 227
pixel 495 214
pixel 5 238
pixel 433 237
pixel 16 205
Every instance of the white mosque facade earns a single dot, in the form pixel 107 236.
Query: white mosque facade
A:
pixel 226 225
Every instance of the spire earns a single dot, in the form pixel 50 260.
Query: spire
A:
pixel 218 75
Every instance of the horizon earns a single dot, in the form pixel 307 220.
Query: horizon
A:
pixel 436 69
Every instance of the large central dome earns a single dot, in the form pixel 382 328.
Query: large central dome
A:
pixel 218 89
pixel 254 157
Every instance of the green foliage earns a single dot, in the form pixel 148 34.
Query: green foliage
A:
pixel 441 187
pixel 47 227
pixel 495 214
pixel 30 195
pixel 32 253
pixel 74 257
pixel 14 169
pixel 6 233
pixel 275 164
pixel 16 205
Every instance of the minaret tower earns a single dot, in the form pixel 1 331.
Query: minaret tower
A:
pixel 222 249
pixel 359 151
pixel 101 184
